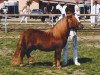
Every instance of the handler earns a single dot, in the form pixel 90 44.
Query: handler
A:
pixel 95 10
pixel 73 37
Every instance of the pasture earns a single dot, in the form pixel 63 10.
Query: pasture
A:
pixel 88 51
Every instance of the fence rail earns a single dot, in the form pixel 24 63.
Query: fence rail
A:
pixel 30 14
pixel 46 14
pixel 8 15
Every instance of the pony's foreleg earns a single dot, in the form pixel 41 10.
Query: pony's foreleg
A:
pixel 29 56
pixel 57 57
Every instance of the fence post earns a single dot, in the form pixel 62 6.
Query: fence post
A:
pixel 52 20
pixel 5 22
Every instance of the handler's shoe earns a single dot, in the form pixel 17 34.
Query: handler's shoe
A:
pixel 64 63
pixel 77 63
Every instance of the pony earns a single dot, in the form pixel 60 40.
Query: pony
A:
pixel 52 39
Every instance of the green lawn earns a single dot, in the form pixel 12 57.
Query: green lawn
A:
pixel 89 57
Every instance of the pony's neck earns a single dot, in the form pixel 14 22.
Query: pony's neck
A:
pixel 61 28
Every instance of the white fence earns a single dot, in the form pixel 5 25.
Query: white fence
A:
pixel 8 15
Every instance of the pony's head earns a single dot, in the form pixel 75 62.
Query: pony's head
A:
pixel 73 22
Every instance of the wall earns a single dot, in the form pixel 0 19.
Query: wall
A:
pixel 35 4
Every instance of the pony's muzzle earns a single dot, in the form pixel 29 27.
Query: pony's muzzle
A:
pixel 80 26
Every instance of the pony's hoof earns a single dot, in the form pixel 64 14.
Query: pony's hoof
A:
pixel 14 62
pixel 59 67
pixel 30 62
pixel 21 65
pixel 54 66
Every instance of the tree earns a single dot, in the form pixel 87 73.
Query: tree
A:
pixel 29 2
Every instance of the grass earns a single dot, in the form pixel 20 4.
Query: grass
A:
pixel 89 55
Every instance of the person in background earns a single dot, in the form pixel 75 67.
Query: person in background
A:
pixel 54 11
pixel 26 10
pixel 47 10
pixel 77 11
pixel 73 37
pixel 60 8
pixel 5 1
pixel 95 10
pixel 49 7
pixel 64 9
pixel 44 12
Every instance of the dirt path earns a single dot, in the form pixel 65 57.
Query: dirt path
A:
pixel 89 37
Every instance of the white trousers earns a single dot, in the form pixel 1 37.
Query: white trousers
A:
pixel 94 19
pixel 73 37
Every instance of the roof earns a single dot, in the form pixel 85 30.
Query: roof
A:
pixel 89 1
pixel 71 1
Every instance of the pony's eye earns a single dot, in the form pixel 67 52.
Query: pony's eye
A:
pixel 70 16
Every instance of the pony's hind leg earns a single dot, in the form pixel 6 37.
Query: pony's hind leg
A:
pixel 29 56
pixel 21 58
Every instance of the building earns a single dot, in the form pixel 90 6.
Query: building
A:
pixel 14 5
pixel 35 4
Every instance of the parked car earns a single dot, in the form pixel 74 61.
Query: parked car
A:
pixel 36 11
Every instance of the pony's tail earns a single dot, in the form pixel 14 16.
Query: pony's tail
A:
pixel 16 58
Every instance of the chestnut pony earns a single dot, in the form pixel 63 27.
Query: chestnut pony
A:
pixel 53 39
